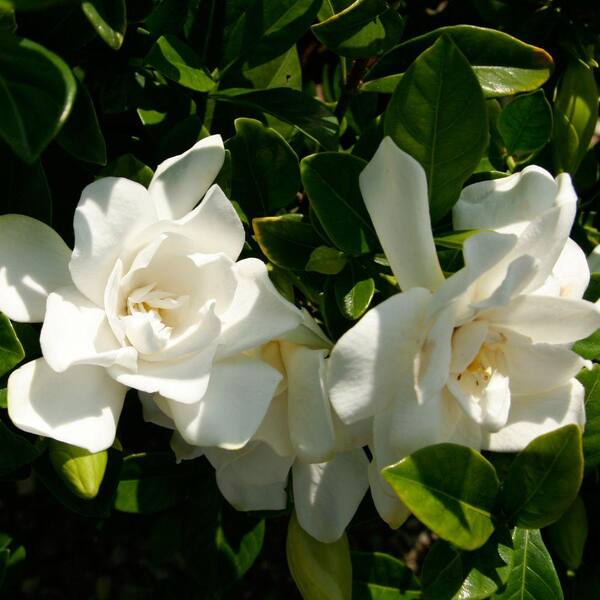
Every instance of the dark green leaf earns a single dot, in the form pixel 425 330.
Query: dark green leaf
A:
pixel 591 434
pixel 544 479
pixel 438 115
pixel 239 550
pixel 366 28
pixel 532 576
pixel 503 64
pixel 326 260
pixel 568 535
pixel 592 294
pixel 37 91
pixel 452 489
pixel 32 4
pixel 286 241
pixel 108 18
pixel 15 451
pixel 526 123
pixel 282 71
pixel 379 576
pixel 331 182
pixel 310 116
pixel 266 175
pixel 11 350
pixel 354 292
pixel 130 167
pixel 81 135
pixel 177 61
pixel 8 22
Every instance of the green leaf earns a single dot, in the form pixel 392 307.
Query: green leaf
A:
pixel 81 135
pixel 568 535
pixel 11 351
pixel 266 175
pixel 286 241
pixel 331 182
pixel 589 347
pixel 178 62
pixel 438 115
pixel 526 123
pixel 532 576
pixel 364 29
pixel 321 571
pixel 379 576
pixel 15 451
pixel 282 71
pixel 8 22
pixel 108 18
pixel 452 489
pixel 266 29
pixel 544 479
pixel 354 292
pixel 80 470
pixel 592 294
pixel 326 260
pixel 128 166
pixel 590 379
pixel 237 552
pixel 32 4
pixel 308 115
pixel 575 116
pixel 37 91
pixel 453 574
pixel 503 64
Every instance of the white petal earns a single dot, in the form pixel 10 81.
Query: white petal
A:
pixel 373 362
pixel 571 271
pixel 110 213
pixel 181 181
pixel 274 429
pixel 33 262
pixel 531 416
pixel 307 334
pixel 183 450
pixel 466 342
pixel 80 406
pixel 253 478
pixel 311 427
pixel 258 312
pixel 500 202
pixel 152 412
pixel 326 495
pixel 233 407
pixel 394 188
pixel 387 503
pixel 546 319
pixel 76 332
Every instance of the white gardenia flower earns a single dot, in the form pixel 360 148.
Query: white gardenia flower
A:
pixel 150 298
pixel 482 358
pixel 300 433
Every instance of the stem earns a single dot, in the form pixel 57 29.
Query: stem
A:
pixel 353 81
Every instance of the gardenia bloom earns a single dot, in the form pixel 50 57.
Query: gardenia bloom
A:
pixel 482 358
pixel 300 433
pixel 150 298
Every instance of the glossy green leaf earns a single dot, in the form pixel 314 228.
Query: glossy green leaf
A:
pixel 308 115
pixel 438 115
pixel 591 434
pixel 575 116
pixel 544 479
pixel 331 182
pixel 452 489
pixel 11 350
pixel 266 29
pixel 532 576
pixel 15 450
pixel 37 92
pixel 453 574
pixel 282 71
pixel 354 292
pixel 379 576
pixel 321 571
pixel 503 64
pixel 265 170
pixel 80 470
pixel 326 260
pixel 526 123
pixel 81 135
pixel 178 62
pixel 364 29
pixel 568 535
pixel 331 7
pixel 589 347
pixel 108 18
pixel 287 241
pixel 128 166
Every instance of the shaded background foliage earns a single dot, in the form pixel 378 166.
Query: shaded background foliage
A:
pixel 130 83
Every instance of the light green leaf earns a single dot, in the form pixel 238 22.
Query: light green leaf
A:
pixel 544 479
pixel 326 260
pixel 591 434
pixel 282 71
pixel 532 576
pixel 354 292
pixel 568 535
pixel 452 489
pixel 589 347
pixel 438 115
pixel 379 576
pixel 108 18
pixel 11 350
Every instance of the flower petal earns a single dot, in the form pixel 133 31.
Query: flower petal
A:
pixel 110 213
pixel 80 406
pixel 466 342
pixel 326 495
pixel 181 181
pixel 533 415
pixel 394 188
pixel 571 271
pixel 274 429
pixel 387 503
pixel 33 262
pixel 373 362
pixel 152 412
pixel 235 403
